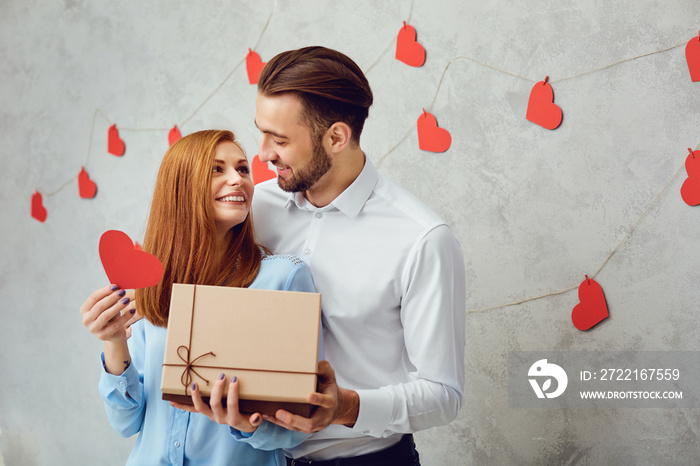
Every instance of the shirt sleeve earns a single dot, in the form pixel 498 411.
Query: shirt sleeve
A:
pixel 269 436
pixel 123 395
pixel 433 317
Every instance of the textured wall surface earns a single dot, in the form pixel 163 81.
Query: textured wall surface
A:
pixel 534 209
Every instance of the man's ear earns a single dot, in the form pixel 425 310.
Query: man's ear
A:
pixel 338 136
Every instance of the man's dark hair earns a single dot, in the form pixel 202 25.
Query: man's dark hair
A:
pixel 330 85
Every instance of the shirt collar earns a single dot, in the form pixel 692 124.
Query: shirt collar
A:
pixel 350 201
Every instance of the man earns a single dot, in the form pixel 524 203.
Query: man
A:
pixel 390 272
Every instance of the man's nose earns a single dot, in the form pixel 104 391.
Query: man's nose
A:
pixel 266 153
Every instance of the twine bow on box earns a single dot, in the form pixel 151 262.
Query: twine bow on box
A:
pixel 186 377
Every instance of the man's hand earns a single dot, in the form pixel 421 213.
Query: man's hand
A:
pixel 335 406
pixel 217 412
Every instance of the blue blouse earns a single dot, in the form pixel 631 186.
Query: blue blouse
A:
pixel 171 436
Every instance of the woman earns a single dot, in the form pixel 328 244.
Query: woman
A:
pixel 201 230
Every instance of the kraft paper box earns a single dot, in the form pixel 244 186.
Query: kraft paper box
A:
pixel 267 338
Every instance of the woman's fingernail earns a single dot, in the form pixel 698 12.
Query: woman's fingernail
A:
pixel 132 311
pixel 125 301
pixel 194 386
pixel 256 418
pixel 233 379
pixel 221 377
pixel 114 287
pixel 121 292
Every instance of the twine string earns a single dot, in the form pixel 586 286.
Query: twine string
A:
pixel 186 377
pixel 605 262
pixel 463 57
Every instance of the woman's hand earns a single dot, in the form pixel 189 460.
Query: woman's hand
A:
pixel 217 412
pixel 107 312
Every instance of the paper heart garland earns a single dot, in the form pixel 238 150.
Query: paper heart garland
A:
pixel 254 65
pixel 592 307
pixel 125 264
pixel 692 56
pixel 261 172
pixel 38 210
pixel 690 191
pixel 86 187
pixel 408 50
pixel 115 145
pixel 430 136
pixel 174 135
pixel 541 108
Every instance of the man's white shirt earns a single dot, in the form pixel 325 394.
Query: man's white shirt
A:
pixel 392 283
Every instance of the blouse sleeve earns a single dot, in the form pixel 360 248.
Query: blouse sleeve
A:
pixel 123 395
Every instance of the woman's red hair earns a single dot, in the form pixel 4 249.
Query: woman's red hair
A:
pixel 181 228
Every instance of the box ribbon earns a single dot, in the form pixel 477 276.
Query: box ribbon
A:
pixel 186 377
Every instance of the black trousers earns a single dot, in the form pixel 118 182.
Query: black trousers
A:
pixel 402 454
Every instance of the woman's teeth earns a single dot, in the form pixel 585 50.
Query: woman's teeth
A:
pixel 232 199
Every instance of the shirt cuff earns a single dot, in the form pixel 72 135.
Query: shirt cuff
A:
pixel 121 383
pixel 262 439
pixel 376 409
pixel 240 435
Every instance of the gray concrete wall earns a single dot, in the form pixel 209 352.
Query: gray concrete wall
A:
pixel 534 209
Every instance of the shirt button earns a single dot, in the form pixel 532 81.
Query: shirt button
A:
pixel 319 215
pixel 177 444
pixel 307 251
pixel 123 384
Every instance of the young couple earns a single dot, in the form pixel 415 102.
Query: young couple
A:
pixel 390 272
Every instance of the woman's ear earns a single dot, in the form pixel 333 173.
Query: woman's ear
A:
pixel 338 136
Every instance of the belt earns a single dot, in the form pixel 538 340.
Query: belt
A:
pixel 401 453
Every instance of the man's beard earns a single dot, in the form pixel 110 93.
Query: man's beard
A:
pixel 305 177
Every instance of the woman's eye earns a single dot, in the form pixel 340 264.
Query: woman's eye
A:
pixel 216 169
pixel 245 170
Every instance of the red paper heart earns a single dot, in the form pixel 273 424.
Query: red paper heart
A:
pixel 261 172
pixel 115 145
pixel 86 187
pixel 38 210
pixel 690 191
pixel 692 56
pixel 125 264
pixel 174 135
pixel 408 50
pixel 592 308
pixel 431 137
pixel 541 108
pixel 254 65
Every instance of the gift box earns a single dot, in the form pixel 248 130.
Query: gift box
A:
pixel 268 339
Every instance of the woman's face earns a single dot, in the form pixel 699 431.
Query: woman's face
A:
pixel 231 186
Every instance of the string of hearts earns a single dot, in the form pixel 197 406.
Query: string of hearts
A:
pixel 592 308
pixel 541 110
pixel 690 192
pixel 87 188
